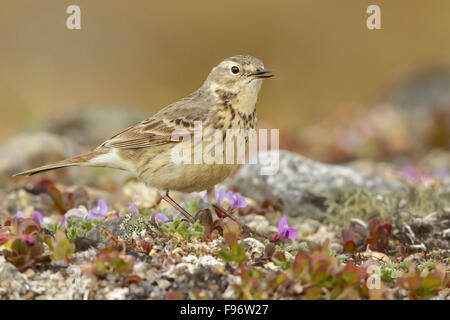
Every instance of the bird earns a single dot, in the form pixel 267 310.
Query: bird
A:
pixel 225 101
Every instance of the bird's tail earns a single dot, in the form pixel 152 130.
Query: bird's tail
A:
pixel 75 161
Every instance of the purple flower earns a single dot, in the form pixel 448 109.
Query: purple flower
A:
pixel 236 200
pixel 134 208
pixel 100 212
pixel 19 214
pixel 221 193
pixel 64 221
pixel 175 214
pixel 284 231
pixel 38 216
pixel 161 218
pixel 411 173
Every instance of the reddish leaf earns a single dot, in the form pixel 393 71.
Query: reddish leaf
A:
pixel 379 233
pixel 348 239
pixel 3 238
pixel 132 279
pixel 175 295
pixel 232 227
pixel 48 186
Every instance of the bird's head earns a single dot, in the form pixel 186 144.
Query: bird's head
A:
pixel 240 76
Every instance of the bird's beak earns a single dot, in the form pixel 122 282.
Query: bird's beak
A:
pixel 262 74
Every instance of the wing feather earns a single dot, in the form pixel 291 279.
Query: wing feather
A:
pixel 158 129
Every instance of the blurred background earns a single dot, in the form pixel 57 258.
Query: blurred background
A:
pixel 341 92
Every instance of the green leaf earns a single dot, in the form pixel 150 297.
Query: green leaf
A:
pixel 62 247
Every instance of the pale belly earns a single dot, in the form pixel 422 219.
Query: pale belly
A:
pixel 188 177
pixel 163 173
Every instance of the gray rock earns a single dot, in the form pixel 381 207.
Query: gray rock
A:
pixel 254 248
pixel 207 262
pixel 259 223
pixel 302 185
pixel 421 89
pixel 13 284
pixel 94 238
pixel 128 226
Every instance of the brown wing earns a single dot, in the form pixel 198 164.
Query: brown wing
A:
pixel 158 129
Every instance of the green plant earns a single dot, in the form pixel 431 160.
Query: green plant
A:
pixel 78 227
pixel 61 246
pixel 110 259
pixel 314 274
pixel 192 206
pixel 257 285
pixel 391 271
pixel 233 251
pixel 426 284
pixel 317 270
pixel 53 227
pixel 195 230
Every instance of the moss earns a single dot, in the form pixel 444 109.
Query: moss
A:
pixel 391 271
pixel 360 203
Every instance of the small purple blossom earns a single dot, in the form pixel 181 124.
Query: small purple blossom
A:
pixel 64 221
pixel 284 231
pixel 161 218
pixel 236 200
pixel 411 173
pixel 426 177
pixel 38 216
pixel 175 214
pixel 19 214
pixel 100 212
pixel 221 193
pixel 134 208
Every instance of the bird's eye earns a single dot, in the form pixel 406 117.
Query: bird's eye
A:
pixel 234 70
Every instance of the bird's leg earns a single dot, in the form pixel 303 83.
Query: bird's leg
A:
pixel 172 202
pixel 211 193
pixel 227 213
pixel 224 212
pixel 243 225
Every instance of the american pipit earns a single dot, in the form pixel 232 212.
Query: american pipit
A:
pixel 226 100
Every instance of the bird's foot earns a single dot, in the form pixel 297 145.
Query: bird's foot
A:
pixel 174 204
